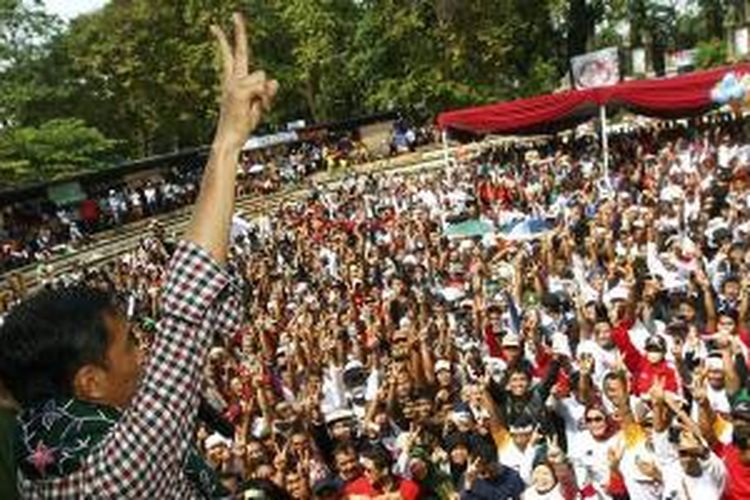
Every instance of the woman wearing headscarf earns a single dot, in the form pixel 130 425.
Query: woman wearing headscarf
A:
pixel 598 447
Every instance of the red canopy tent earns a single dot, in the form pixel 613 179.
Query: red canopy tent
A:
pixel 678 97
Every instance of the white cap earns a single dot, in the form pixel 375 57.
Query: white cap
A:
pixel 410 260
pixel 442 364
pixel 215 440
pixel 714 363
pixel 452 294
pixel 340 414
pixel 353 364
pixel 619 292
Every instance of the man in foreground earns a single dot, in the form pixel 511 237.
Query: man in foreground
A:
pixel 95 421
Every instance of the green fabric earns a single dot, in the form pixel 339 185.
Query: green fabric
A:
pixel 54 438
pixel 469 229
pixel 7 461
pixel 437 485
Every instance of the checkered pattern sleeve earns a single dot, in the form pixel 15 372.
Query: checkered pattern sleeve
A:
pixel 143 455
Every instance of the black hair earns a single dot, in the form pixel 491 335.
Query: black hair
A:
pixel 47 338
pixel 424 393
pixel 523 420
pixel 519 368
pixel 344 449
pixel 616 375
pixel 379 456
pixel 483 449
pixel 454 440
pixel 264 489
pixel 730 312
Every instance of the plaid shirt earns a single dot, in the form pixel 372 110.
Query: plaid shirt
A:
pixel 144 453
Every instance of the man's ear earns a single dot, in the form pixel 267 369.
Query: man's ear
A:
pixel 89 383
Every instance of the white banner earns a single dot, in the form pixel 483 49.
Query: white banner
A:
pixel 741 46
pixel 639 61
pixel 265 141
pixel 685 58
pixel 596 69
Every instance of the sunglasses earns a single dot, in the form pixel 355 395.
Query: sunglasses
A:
pixel 598 418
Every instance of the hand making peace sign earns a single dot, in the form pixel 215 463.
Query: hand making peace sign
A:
pixel 245 95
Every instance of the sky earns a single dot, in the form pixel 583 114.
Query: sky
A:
pixel 68 9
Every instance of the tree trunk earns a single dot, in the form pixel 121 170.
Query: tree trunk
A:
pixel 578 28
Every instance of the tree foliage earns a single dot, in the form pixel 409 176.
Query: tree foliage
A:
pixel 143 72
pixel 710 54
pixel 54 150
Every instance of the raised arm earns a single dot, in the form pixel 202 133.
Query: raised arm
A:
pixel 706 415
pixel 661 412
pixel 585 386
pixel 147 447
pixel 244 96
pixel 632 357
pixel 708 299
pixel 545 387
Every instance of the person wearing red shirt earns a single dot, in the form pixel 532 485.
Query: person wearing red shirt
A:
pixel 89 211
pixel 645 369
pixel 377 466
pixel 350 472
pixel 735 455
pixel 737 462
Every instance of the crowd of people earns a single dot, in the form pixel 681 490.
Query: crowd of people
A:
pixel 356 345
pixel 603 357
pixel 35 232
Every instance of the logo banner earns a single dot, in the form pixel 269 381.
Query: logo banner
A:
pixel 596 69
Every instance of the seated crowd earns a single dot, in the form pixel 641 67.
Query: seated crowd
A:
pixel 33 233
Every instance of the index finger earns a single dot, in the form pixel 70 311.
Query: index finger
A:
pixel 241 61
pixel 226 51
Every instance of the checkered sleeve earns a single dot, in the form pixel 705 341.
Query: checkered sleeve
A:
pixel 142 457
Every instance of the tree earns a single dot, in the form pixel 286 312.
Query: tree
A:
pixel 25 31
pixel 56 149
pixel 320 32
pixel 24 27
pixel 713 11
pixel 139 71
pixel 144 72
pixel 710 54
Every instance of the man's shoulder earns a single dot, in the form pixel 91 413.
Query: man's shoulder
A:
pixel 59 435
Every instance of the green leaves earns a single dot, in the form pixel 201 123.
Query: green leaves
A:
pixel 54 150
pixel 143 72
pixel 711 54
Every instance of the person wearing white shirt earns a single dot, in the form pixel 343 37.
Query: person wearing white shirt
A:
pixel 518 450
pixel 590 457
pixel 690 471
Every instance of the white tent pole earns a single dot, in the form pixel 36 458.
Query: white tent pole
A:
pixel 446 155
pixel 605 139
